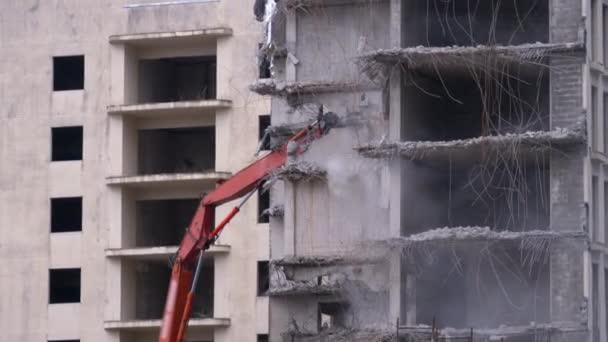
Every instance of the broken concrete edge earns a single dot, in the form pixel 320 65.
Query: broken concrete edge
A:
pixel 517 330
pixel 484 234
pixel 291 5
pixel 523 142
pixel 280 134
pixel 299 171
pixel 377 251
pixel 274 88
pixel 295 288
pixel 321 261
pixel 423 332
pixel 344 335
pixel 420 54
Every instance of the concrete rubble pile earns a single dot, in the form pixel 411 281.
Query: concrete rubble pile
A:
pixel 346 335
pixel 528 142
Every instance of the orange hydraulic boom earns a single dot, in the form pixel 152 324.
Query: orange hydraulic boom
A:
pixel 201 233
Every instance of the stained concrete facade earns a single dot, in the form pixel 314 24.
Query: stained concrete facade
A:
pixel 166 113
pixel 382 62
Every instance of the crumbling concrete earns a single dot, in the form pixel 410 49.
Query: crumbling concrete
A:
pixel 425 333
pixel 274 88
pixel 299 171
pixel 443 61
pixel 506 145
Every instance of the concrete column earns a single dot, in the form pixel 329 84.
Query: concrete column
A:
pixel 291 35
pixel 402 289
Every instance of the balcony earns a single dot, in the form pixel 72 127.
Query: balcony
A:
pixel 170 38
pixel 172 109
pixel 154 324
pixel 158 253
pixel 199 180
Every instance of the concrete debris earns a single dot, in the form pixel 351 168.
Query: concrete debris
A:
pixel 444 59
pixel 293 288
pixel 303 4
pixel 299 171
pixel 543 329
pixel 485 234
pixel 346 335
pixel 275 88
pixel 279 134
pixel 424 332
pixel 274 211
pixel 318 261
pixel 528 142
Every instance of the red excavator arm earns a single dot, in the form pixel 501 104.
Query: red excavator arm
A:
pixel 201 233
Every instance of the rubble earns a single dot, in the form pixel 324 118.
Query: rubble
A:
pixel 293 287
pixel 279 134
pixel 299 171
pixel 322 261
pixel 346 335
pixel 484 234
pixel 424 333
pixel 443 60
pixel 277 88
pixel 542 329
pixel 302 4
pixel 528 142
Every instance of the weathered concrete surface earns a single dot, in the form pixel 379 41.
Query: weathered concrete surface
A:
pixel 31 33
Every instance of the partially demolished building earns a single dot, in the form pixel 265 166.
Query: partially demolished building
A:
pixel 464 198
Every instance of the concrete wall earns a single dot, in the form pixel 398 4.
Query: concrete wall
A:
pixel 31 33
pixel 315 222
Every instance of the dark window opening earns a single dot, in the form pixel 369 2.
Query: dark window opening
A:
pixel 63 340
pixel 177 79
pixel 68 73
pixel 262 338
pixel 263 277
pixel 474 22
pixel 264 70
pixel 152 282
pixel 162 222
pixel 263 124
pixel 263 204
pixel 331 315
pixel 66 214
pixel 66 143
pixel 64 285
pixel 176 150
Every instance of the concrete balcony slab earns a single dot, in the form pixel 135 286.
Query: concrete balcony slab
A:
pixel 154 324
pixel 170 38
pixel 200 180
pixel 170 109
pixel 158 253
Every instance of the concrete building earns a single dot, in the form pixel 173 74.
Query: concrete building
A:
pixel 466 197
pixel 116 116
